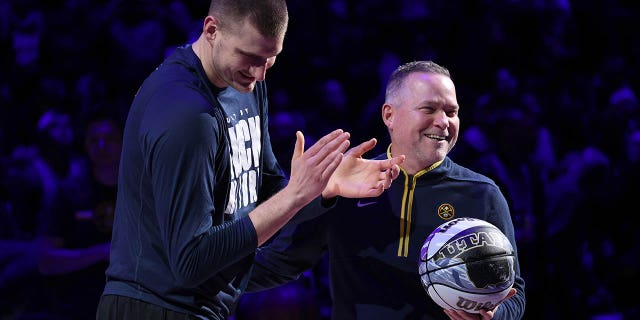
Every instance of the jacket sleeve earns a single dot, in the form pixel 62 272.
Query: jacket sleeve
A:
pixel 183 167
pixel 296 248
pixel 500 216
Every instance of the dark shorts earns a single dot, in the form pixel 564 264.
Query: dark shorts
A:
pixel 112 307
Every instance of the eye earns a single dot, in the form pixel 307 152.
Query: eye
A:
pixel 256 60
pixel 428 109
pixel 249 58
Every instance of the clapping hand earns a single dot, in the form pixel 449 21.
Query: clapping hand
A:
pixel 357 177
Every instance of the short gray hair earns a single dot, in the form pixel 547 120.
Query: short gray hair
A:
pixel 401 73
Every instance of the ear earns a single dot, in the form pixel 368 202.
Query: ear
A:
pixel 387 115
pixel 210 27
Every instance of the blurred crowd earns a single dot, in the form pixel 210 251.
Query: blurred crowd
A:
pixel 549 110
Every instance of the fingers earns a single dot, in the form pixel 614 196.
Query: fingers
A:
pixel 396 161
pixel 394 172
pixel 485 314
pixel 488 314
pixel 332 143
pixel 392 164
pixel 317 163
pixel 299 147
pixel 331 167
pixel 329 142
pixel 387 177
pixel 327 152
pixel 362 148
pixel 391 170
pixel 384 182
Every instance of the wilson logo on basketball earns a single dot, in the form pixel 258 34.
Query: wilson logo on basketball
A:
pixel 475 306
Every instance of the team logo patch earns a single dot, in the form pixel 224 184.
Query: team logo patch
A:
pixel 446 211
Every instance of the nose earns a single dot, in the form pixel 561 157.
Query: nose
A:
pixel 441 120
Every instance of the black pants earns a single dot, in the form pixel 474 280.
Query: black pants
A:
pixel 112 307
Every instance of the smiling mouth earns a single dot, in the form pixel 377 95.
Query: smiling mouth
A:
pixel 436 137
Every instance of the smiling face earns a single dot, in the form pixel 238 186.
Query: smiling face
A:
pixel 237 54
pixel 422 119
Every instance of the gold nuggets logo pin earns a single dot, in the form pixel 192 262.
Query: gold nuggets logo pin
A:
pixel 446 211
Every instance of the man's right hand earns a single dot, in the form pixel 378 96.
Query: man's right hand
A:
pixel 312 169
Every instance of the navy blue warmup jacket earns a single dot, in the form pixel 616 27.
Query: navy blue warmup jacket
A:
pixel 195 161
pixel 374 244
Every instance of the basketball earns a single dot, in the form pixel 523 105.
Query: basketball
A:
pixel 467 264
